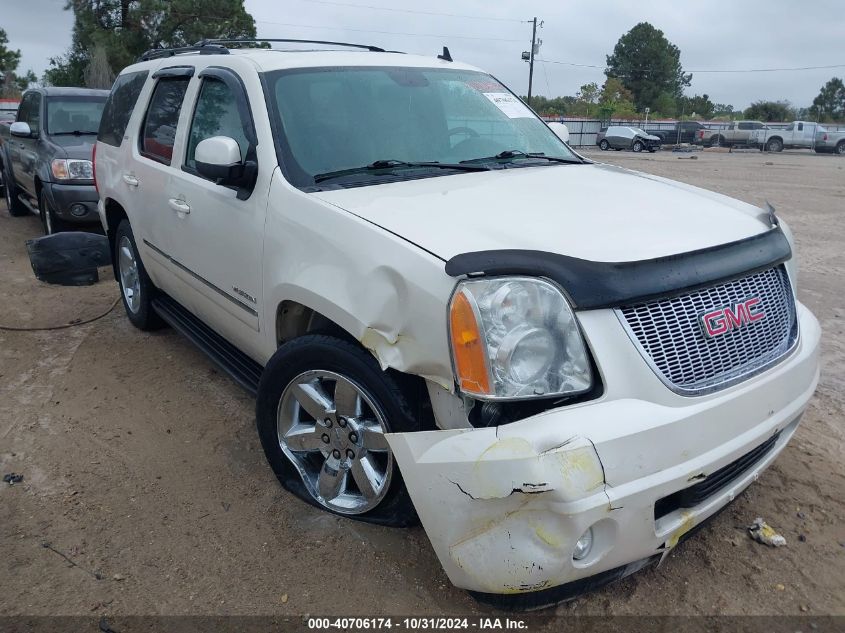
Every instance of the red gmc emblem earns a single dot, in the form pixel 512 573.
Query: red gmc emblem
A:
pixel 724 320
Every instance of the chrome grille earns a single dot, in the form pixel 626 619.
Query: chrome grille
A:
pixel 669 333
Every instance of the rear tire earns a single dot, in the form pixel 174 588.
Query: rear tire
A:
pixel 604 145
pixel 136 288
pixel 319 444
pixel 840 148
pixel 16 207
pixel 774 145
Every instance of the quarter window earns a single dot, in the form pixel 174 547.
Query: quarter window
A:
pixel 216 114
pixel 158 133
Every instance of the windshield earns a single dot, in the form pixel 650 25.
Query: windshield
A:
pixel 341 119
pixel 638 131
pixel 74 115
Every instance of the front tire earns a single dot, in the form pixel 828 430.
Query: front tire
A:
pixel 49 222
pixel 136 287
pixel 323 408
pixel 604 145
pixel 637 146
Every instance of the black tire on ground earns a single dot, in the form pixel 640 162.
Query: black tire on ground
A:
pixel 327 353
pixel 16 207
pixel 604 145
pixel 637 146
pixel 774 145
pixel 143 316
pixel 840 148
pixel 49 222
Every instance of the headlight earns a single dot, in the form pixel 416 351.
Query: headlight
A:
pixel 516 337
pixel 71 169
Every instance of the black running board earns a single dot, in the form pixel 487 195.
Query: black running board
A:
pixel 244 370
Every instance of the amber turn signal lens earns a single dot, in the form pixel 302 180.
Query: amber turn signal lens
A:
pixel 468 347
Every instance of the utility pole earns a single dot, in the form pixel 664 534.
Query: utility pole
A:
pixel 531 60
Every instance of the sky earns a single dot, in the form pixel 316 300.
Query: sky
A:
pixel 720 35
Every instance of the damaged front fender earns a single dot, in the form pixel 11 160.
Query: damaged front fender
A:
pixel 503 511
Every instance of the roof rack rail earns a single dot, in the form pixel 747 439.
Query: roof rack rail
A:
pixel 373 49
pixel 202 48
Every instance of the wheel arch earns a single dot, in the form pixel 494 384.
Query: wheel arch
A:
pixel 114 214
pixel 295 319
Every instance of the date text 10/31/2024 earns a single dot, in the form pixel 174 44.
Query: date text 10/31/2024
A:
pixel 417 623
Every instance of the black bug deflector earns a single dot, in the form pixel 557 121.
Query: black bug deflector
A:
pixel 592 285
pixel 69 259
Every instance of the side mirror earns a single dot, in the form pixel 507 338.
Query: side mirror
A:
pixel 561 130
pixel 219 158
pixel 20 128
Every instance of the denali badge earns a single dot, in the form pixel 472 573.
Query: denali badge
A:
pixel 725 319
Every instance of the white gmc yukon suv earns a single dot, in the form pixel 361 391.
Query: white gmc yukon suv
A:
pixel 447 315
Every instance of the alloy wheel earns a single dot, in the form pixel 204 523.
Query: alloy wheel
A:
pixel 334 434
pixel 130 280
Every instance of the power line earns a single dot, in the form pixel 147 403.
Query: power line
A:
pixel 375 8
pixel 723 70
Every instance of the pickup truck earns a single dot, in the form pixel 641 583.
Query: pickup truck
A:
pixel 45 156
pixel 799 135
pixel 682 132
pixel 734 133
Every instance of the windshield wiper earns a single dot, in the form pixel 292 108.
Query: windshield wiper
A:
pixel 392 165
pixel 511 154
pixel 74 133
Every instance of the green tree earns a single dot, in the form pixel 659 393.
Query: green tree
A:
pixel 701 106
pixel 22 82
pixel 557 106
pixel 664 105
pixel 649 65
pixel 586 99
pixel 11 84
pixel 829 105
pixel 723 111
pixel 616 101
pixel 9 59
pixel 124 29
pixel 770 111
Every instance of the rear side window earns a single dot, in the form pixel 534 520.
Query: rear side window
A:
pixel 158 134
pixel 119 107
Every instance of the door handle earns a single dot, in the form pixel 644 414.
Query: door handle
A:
pixel 130 180
pixel 180 206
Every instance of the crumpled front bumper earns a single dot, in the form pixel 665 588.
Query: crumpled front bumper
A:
pixel 503 507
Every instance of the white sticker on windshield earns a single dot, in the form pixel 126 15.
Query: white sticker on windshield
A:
pixel 510 105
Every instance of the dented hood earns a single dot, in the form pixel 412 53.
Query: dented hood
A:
pixel 591 211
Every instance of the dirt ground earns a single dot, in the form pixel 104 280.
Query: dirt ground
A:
pixel 141 463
